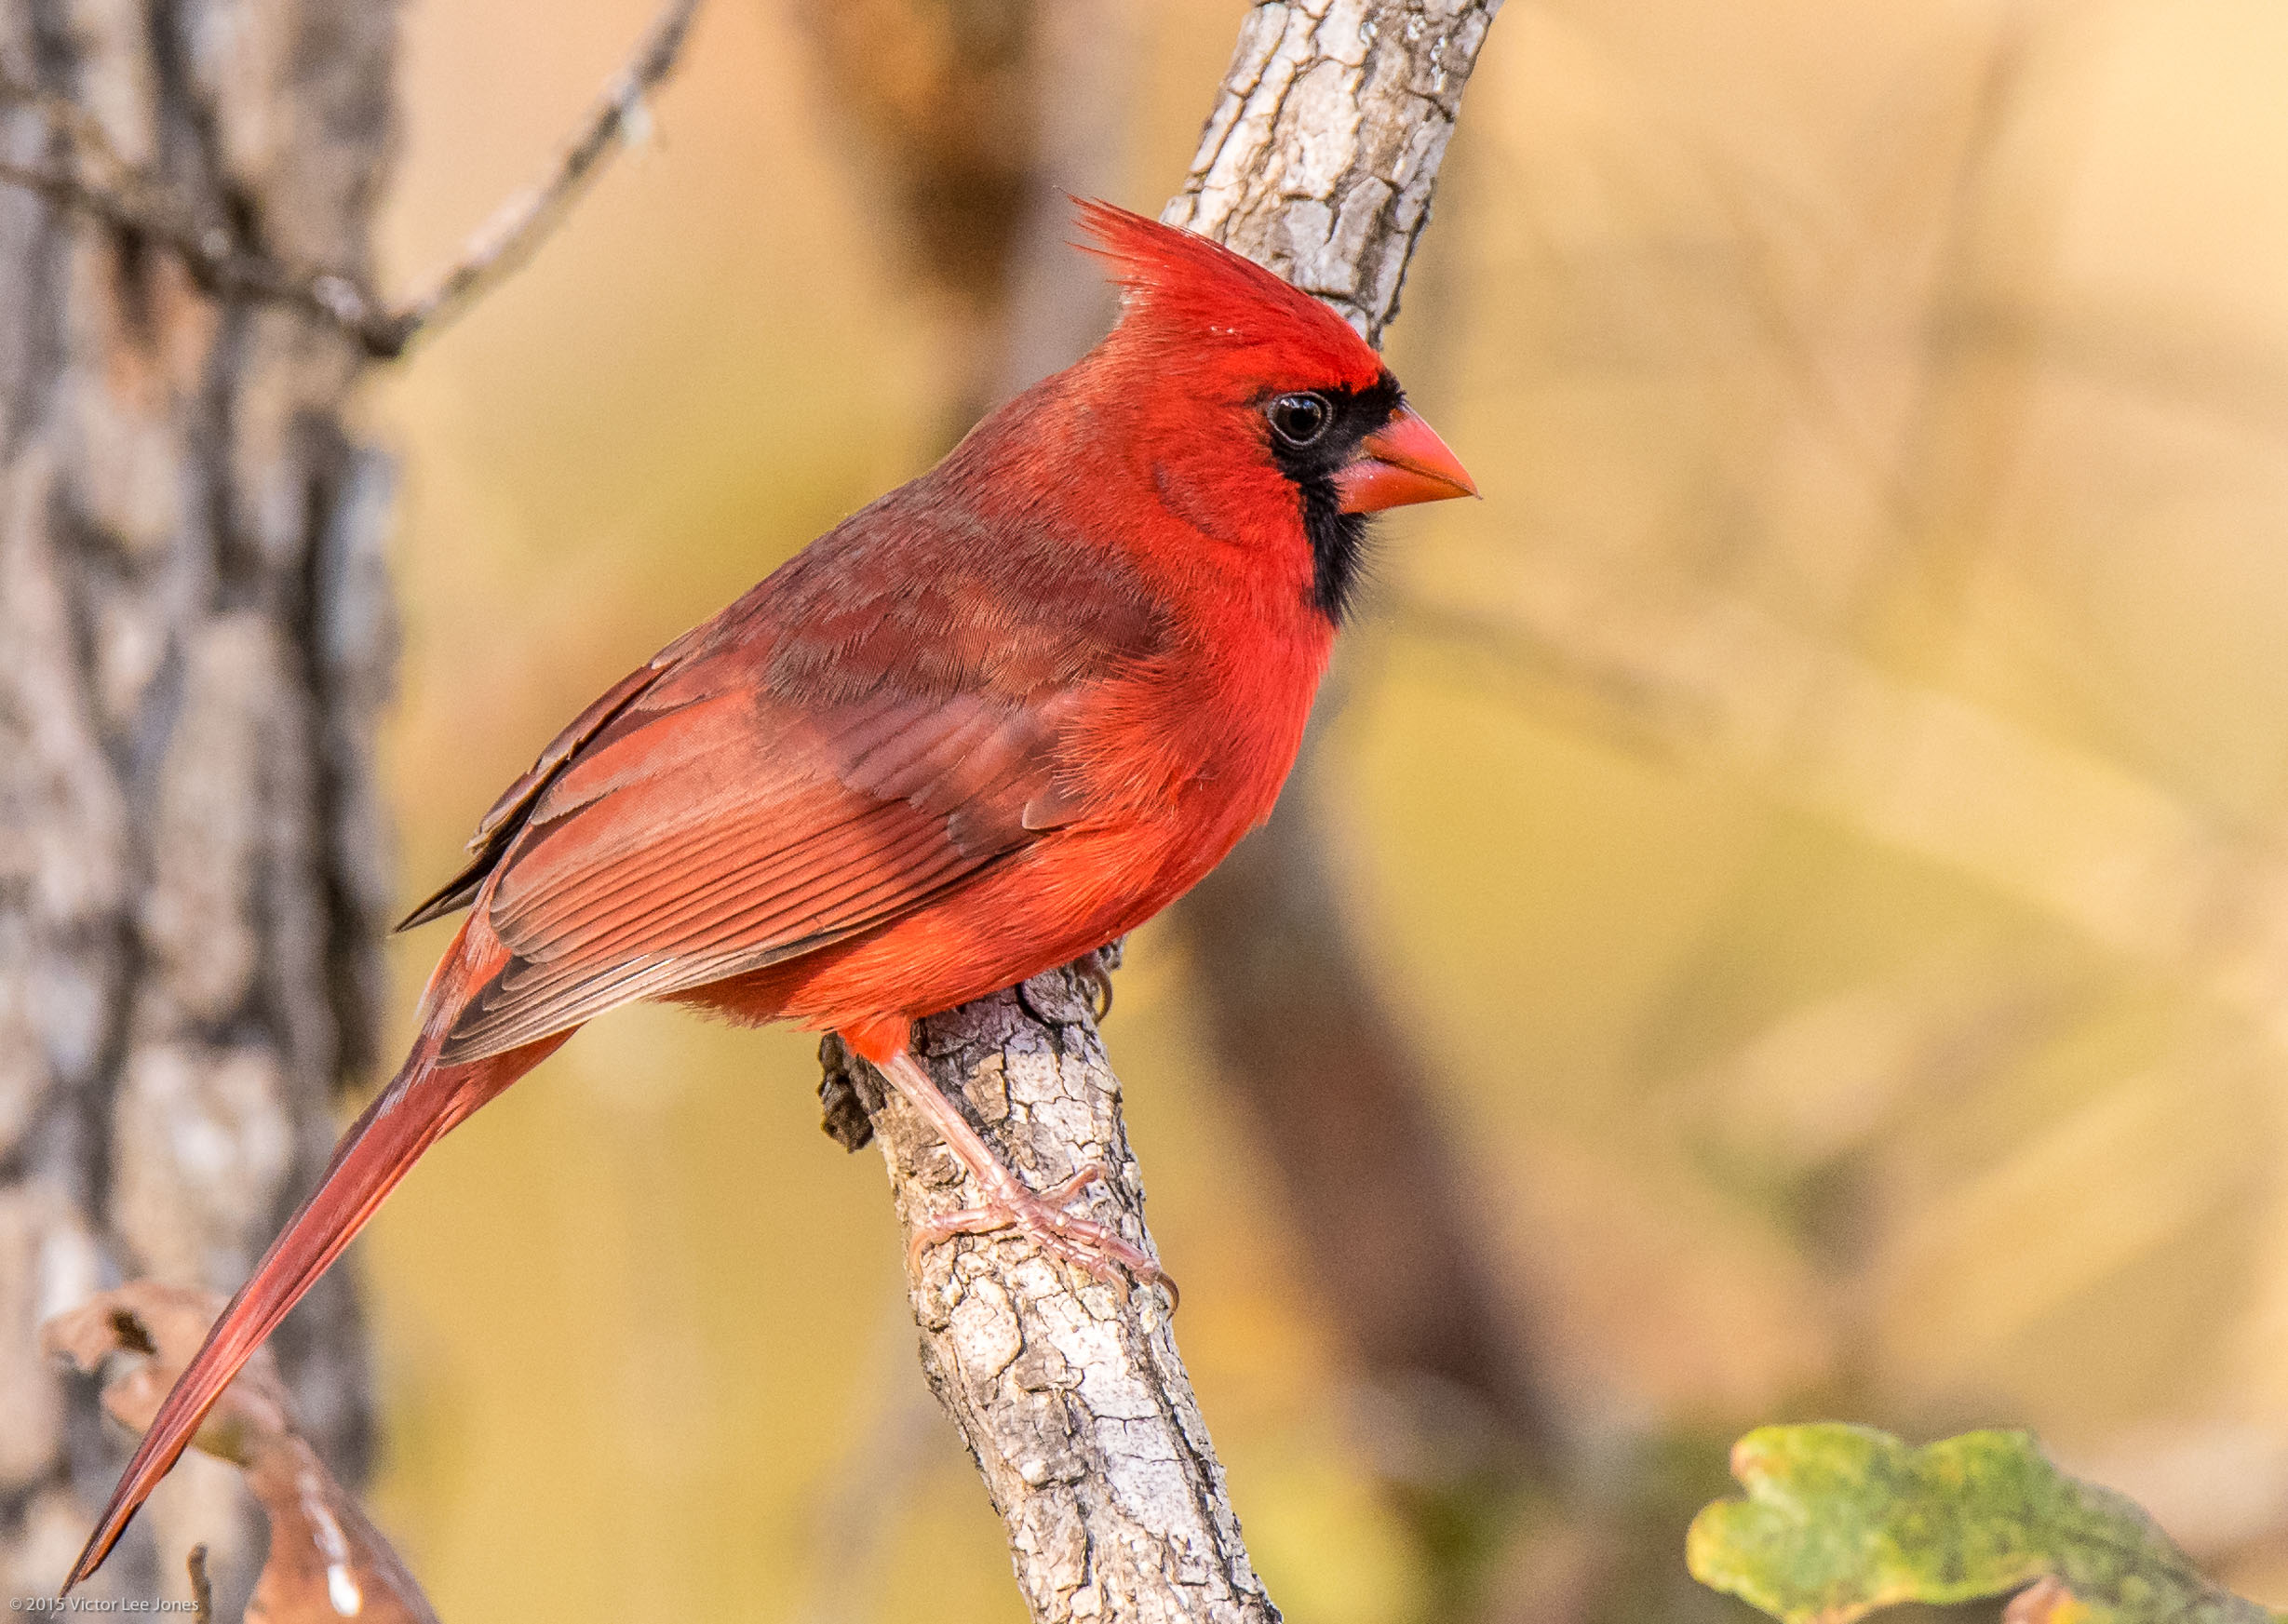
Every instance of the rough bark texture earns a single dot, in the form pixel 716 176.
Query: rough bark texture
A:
pixel 1323 148
pixel 194 635
pixel 1319 160
pixel 1069 1392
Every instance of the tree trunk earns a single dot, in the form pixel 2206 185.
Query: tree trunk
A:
pixel 194 636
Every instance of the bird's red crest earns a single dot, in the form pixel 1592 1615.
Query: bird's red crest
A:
pixel 1182 286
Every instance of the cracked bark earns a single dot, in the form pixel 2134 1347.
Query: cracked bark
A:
pixel 1319 160
pixel 194 636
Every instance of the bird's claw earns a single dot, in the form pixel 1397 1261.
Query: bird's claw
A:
pixel 1090 968
pixel 1046 1220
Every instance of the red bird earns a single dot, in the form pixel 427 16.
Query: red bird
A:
pixel 1003 714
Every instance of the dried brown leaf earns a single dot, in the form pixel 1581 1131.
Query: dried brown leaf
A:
pixel 328 1562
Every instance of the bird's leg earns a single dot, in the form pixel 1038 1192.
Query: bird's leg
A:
pixel 1008 1204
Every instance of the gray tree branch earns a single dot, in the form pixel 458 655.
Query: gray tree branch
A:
pixel 1323 148
pixel 1319 159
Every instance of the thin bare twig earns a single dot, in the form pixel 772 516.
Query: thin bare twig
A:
pixel 217 260
pixel 127 197
pixel 508 239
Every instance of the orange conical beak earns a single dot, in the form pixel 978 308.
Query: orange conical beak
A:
pixel 1401 462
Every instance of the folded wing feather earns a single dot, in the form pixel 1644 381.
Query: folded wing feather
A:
pixel 685 842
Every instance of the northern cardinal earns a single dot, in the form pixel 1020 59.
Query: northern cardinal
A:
pixel 985 725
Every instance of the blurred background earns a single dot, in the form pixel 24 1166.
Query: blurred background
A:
pixel 1809 849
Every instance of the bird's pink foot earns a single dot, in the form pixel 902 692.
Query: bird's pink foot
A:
pixel 1048 1221
pixel 1008 1204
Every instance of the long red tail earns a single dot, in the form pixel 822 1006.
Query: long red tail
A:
pixel 419 1108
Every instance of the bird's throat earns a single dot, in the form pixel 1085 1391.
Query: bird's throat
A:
pixel 1338 549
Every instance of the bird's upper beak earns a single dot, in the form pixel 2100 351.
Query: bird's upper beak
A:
pixel 1403 462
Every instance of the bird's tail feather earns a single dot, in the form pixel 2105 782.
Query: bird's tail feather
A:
pixel 422 1104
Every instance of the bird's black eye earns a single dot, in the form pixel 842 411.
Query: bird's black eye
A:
pixel 1299 420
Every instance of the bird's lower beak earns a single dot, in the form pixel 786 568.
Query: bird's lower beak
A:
pixel 1401 462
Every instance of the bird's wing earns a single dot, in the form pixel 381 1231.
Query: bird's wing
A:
pixel 685 842
pixel 876 723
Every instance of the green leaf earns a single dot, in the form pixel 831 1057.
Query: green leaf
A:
pixel 1842 1520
